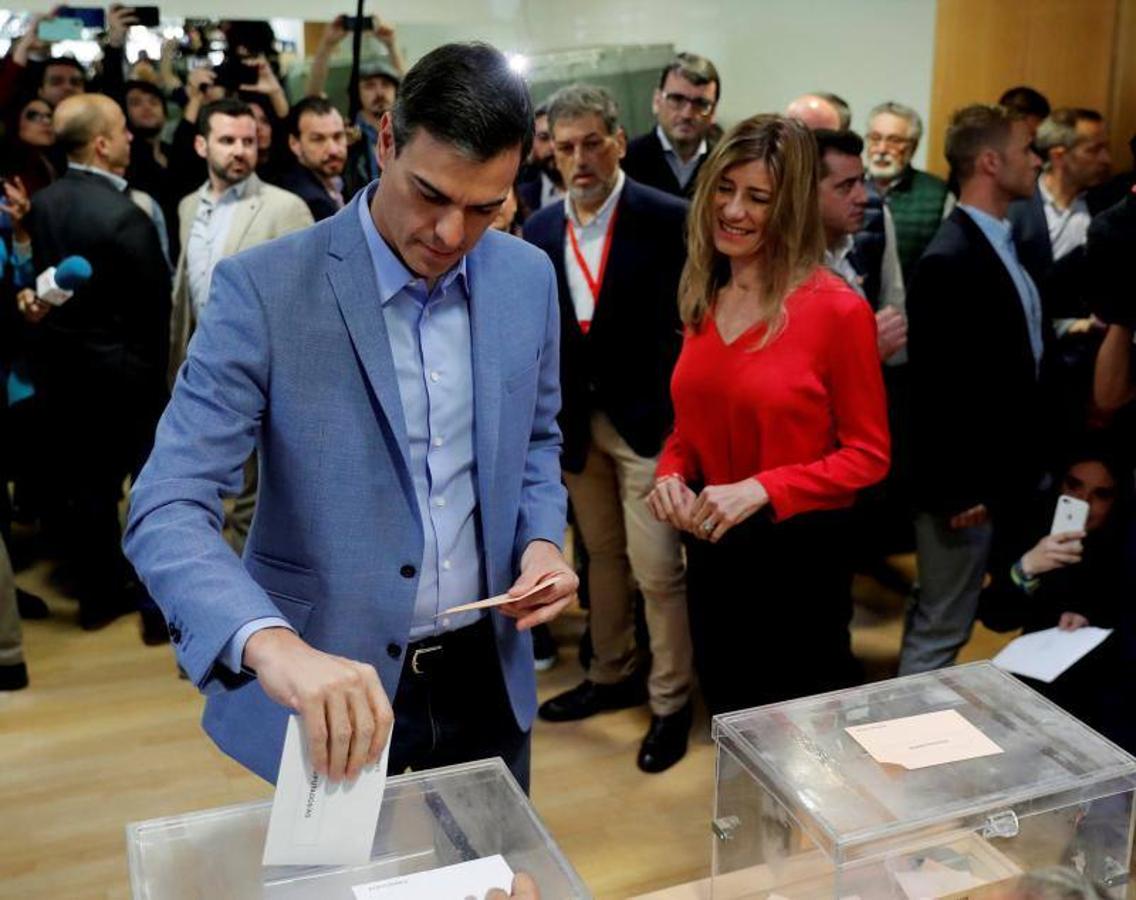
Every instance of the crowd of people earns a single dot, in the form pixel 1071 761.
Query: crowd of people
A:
pixel 783 353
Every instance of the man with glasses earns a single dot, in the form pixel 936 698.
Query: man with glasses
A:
pixel 669 156
pixel 917 199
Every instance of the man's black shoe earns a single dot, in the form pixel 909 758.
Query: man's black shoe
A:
pixel 31 606
pixel 13 677
pixel 93 616
pixel 665 743
pixel 589 698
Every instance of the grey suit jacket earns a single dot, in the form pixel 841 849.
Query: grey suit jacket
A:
pixel 265 212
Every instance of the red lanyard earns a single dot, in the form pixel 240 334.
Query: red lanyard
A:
pixel 594 284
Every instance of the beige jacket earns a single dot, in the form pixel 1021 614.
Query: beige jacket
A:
pixel 265 212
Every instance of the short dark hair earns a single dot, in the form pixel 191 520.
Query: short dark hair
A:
pixel 466 95
pixel 698 70
pixel 146 87
pixel 226 106
pixel 845 142
pixel 62 61
pixel 973 129
pixel 1026 101
pixel 317 106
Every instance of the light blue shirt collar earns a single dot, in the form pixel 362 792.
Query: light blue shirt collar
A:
pixel 997 231
pixel 117 180
pixel 393 276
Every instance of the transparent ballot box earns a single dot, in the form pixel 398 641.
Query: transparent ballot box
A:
pixel 429 820
pixel 803 810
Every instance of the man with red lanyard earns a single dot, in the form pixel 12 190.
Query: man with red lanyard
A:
pixel 618 251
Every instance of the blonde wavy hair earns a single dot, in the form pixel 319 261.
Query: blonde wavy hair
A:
pixel 792 241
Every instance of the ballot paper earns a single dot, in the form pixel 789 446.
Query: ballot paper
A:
pixel 475 878
pixel 315 823
pixel 500 599
pixel 933 879
pixel 929 739
pixel 1046 654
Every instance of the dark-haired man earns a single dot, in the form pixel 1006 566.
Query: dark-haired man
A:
pixel 232 211
pixel 356 357
pixel 318 139
pixel 1030 104
pixel 977 344
pixel 669 156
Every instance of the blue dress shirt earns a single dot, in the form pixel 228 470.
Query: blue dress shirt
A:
pixel 429 334
pixel 998 232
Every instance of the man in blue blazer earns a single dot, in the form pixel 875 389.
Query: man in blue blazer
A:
pixel 397 370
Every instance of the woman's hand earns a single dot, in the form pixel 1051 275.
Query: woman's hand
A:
pixel 671 501
pixel 722 506
pixel 1071 621
pixel 1054 551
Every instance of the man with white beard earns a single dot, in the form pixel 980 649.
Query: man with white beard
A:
pixel 917 199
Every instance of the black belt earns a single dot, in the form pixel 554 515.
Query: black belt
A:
pixel 430 655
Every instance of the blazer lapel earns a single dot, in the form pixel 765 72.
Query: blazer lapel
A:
pixel 243 217
pixel 485 341
pixel 352 278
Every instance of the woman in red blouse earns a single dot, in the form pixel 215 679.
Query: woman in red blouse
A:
pixel 780 418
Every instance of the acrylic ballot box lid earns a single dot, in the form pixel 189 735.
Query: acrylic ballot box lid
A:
pixel 429 820
pixel 853 807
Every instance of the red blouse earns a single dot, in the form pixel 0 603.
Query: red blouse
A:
pixel 806 415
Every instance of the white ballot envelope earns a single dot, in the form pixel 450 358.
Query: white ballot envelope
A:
pixel 474 878
pixel 500 599
pixel 928 739
pixel 1046 654
pixel 315 823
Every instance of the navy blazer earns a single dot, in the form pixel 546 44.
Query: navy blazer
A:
pixel 623 365
pixel 646 162
pixel 977 407
pixel 292 357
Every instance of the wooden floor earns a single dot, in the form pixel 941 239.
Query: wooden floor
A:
pixel 108 734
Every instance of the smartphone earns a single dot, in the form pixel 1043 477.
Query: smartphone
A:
pixel 147 16
pixel 1071 515
pixel 60 29
pixel 233 75
pixel 90 16
pixel 349 22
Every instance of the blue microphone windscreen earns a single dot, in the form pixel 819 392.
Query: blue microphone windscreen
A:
pixel 73 272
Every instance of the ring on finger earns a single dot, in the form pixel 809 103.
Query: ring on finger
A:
pixel 708 526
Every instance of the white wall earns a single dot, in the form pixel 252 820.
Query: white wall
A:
pixel 768 51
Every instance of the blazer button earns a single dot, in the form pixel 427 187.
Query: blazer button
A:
pixel 407 571
pixel 394 651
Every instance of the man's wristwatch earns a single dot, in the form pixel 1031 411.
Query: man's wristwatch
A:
pixel 1022 580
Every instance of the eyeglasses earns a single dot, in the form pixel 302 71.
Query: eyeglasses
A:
pixel 700 105
pixel 891 140
pixel 35 115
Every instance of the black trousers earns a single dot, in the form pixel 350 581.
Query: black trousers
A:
pixel 97 428
pixel 770 605
pixel 452 706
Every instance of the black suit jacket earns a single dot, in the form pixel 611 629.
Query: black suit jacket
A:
pixel 307 186
pixel 646 163
pixel 977 407
pixel 1061 281
pixel 115 330
pixel 623 365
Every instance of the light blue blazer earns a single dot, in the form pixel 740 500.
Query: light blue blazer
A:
pixel 291 357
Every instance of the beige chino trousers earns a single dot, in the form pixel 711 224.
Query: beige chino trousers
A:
pixel 627 546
